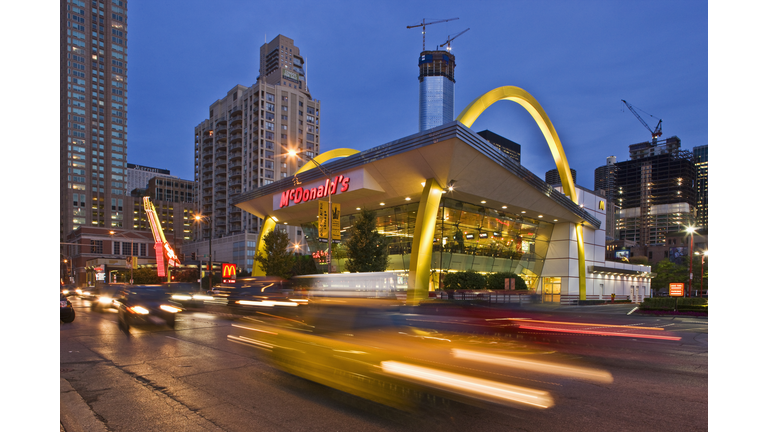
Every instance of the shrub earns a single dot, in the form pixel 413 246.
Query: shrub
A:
pixel 468 280
pixel 668 303
pixel 495 281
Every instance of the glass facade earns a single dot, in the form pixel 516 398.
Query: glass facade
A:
pixel 435 102
pixel 467 236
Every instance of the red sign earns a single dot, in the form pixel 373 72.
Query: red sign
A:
pixel 300 195
pixel 228 270
pixel 676 289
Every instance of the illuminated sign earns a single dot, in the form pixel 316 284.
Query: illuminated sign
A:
pixel 293 76
pixel 601 205
pixel 483 235
pixel 228 272
pixel 299 195
pixel 676 289
pixel 497 234
pixel 470 236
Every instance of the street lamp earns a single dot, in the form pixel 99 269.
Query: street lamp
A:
pixel 703 254
pixel 206 219
pixel 690 231
pixel 330 206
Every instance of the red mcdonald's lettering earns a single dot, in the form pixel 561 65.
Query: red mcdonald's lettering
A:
pixel 299 195
pixel 285 198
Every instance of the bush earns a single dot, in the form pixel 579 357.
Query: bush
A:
pixel 668 303
pixel 468 280
pixel 495 281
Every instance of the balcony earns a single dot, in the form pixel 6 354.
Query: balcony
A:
pixel 235 110
pixel 236 138
pixel 220 120
pixel 235 119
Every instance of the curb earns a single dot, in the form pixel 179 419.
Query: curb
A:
pixel 74 414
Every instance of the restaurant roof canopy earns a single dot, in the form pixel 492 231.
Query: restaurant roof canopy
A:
pixel 392 172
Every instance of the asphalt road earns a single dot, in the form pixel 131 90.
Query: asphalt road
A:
pixel 192 378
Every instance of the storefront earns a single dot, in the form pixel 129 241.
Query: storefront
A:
pixel 450 201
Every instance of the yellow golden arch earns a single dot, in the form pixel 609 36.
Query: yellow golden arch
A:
pixel 522 97
pixel 269 221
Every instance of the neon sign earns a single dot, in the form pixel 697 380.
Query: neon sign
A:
pixel 299 195
pixel 162 248
pixel 228 272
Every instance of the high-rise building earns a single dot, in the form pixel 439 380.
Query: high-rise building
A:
pixel 653 148
pixel 701 160
pixel 436 82
pixel 93 124
pixel 139 175
pixel 553 177
pixel 605 179
pixel 655 194
pixel 508 147
pixel 244 142
pixel 93 113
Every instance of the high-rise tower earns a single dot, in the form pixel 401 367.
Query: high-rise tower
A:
pixel 436 82
pixel 701 159
pixel 93 114
pixel 243 144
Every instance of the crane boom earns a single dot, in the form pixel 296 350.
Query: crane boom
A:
pixel 452 38
pixel 423 24
pixel 655 133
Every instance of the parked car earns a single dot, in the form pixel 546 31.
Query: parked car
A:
pixel 146 304
pixel 67 311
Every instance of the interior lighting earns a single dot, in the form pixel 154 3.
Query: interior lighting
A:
pixel 482 202
pixel 407 198
pixel 503 207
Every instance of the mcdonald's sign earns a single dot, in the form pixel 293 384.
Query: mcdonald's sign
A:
pixel 228 272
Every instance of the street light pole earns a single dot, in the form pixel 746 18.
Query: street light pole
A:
pixel 207 220
pixel 330 207
pixel 701 293
pixel 690 231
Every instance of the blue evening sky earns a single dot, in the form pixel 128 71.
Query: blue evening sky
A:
pixel 577 58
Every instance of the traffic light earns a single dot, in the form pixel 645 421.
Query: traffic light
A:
pixel 194 258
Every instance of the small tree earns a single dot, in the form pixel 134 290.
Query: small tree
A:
pixel 366 249
pixel 278 260
pixel 668 272
pixel 303 264
pixel 468 280
pixel 146 276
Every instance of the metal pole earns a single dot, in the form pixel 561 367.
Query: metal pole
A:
pixel 330 228
pixel 690 268
pixel 701 292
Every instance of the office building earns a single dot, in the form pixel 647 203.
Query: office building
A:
pixel 139 175
pixel 701 160
pixel 93 113
pixel 553 177
pixel 605 178
pixel 655 194
pixel 244 142
pixel 436 83
pixel 508 147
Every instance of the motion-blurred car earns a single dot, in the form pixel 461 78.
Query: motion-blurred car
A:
pixel 68 289
pixel 105 297
pixel 67 311
pixel 146 304
pixel 255 293
pixel 188 294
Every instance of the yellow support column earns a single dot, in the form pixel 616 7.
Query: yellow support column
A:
pixel 421 249
pixel 261 249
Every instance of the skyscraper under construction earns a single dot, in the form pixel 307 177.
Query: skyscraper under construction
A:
pixel 436 82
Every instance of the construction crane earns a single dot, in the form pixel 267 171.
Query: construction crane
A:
pixel 452 38
pixel 655 133
pixel 423 24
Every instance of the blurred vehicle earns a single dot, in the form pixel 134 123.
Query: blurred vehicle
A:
pixel 380 285
pixel 188 294
pixel 105 296
pixel 67 311
pixel 146 304
pixel 85 292
pixel 68 289
pixel 255 293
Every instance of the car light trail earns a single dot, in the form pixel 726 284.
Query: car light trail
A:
pixel 598 333
pixel 534 365
pixel 249 341
pixel 170 309
pixel 181 297
pixel 467 385
pixel 253 329
pixel 577 323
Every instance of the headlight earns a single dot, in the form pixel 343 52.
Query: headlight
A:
pixel 65 292
pixel 170 309
pixel 138 310
pixel 181 297
pixel 202 297
pixel 87 293
pixel 79 291
pixel 105 300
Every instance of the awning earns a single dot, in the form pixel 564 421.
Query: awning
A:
pixel 618 271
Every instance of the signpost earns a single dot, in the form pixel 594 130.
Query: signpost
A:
pixel 676 290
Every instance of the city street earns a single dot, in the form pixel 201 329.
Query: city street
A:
pixel 192 378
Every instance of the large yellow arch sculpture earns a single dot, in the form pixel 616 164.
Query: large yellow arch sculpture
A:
pixel 522 97
pixel 269 222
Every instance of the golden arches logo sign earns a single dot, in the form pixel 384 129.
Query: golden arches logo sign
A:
pixel 228 272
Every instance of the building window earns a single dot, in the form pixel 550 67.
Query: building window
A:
pixel 97 246
pixel 143 249
pixel 116 248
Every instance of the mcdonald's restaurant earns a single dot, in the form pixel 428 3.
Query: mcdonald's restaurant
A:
pixel 450 201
